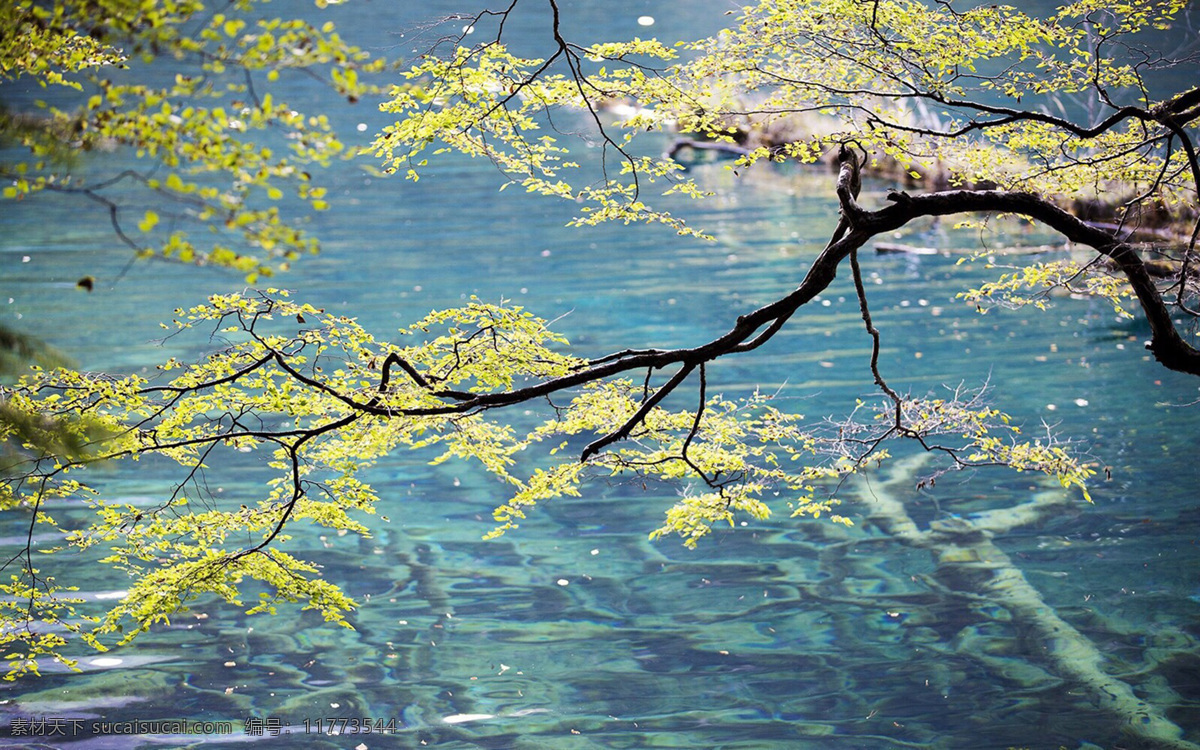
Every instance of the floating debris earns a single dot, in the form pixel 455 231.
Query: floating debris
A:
pixel 463 718
pixel 106 661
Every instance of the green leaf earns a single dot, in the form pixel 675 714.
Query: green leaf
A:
pixel 148 222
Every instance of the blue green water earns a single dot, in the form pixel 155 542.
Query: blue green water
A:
pixel 576 631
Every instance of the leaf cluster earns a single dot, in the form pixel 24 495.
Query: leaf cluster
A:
pixel 215 149
pixel 315 399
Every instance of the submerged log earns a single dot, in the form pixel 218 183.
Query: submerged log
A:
pixel 721 147
pixel 964 551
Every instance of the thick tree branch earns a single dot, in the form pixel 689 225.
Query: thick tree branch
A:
pixel 1168 346
pixel 623 431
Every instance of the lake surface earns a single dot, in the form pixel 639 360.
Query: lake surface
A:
pixel 576 631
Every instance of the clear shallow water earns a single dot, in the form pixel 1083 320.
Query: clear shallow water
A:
pixel 575 631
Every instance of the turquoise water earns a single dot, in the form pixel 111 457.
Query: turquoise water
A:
pixel 576 631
